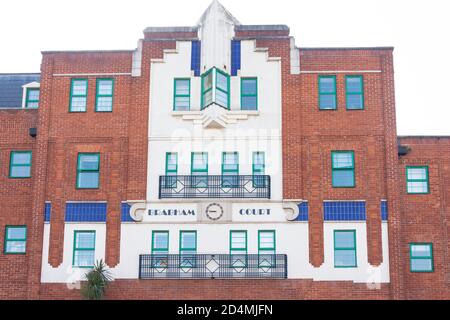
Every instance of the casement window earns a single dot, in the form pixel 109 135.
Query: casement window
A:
pixel 345 249
pixel 230 168
pixel 88 171
pixel 160 249
pixel 182 95
pixel 421 257
pixel 258 169
pixel 78 95
pixel 171 169
pixel 266 248
pixel 238 249
pixel 188 249
pixel 104 95
pixel 199 168
pixel 84 249
pixel 343 169
pixel 15 240
pixel 249 94
pixel 20 164
pixel 354 92
pixel 327 93
pixel 32 98
pixel 417 181
pixel 215 88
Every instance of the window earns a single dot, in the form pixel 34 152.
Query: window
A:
pixel 266 249
pixel 230 167
pixel 215 88
pixel 84 249
pixel 188 248
pixel 207 88
pixel 343 169
pixel 104 95
pixel 199 167
pixel 88 171
pixel 345 249
pixel 182 95
pixel 421 255
pixel 327 93
pixel 354 92
pixel 20 164
pixel 171 169
pixel 249 93
pixel 160 249
pixel 32 98
pixel 238 249
pixel 258 169
pixel 78 95
pixel 417 180
pixel 222 89
pixel 15 240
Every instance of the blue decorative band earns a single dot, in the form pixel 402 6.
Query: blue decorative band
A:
pixel 384 210
pixel 47 211
pixel 126 213
pixel 86 212
pixel 304 212
pixel 344 211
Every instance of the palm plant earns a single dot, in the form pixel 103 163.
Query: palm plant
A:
pixel 96 282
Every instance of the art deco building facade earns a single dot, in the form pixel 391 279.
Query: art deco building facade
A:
pixel 219 161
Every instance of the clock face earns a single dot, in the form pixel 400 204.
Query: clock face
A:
pixel 214 211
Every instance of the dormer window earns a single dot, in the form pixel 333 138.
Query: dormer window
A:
pixel 32 98
pixel 215 88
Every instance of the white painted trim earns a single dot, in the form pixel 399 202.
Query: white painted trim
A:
pixel 90 74
pixel 86 201
pixel 202 138
pixel 341 71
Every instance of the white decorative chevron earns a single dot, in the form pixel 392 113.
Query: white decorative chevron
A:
pixel 214 116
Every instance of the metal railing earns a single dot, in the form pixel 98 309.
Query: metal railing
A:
pixel 212 266
pixel 223 186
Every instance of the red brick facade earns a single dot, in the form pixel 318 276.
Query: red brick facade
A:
pixel 309 136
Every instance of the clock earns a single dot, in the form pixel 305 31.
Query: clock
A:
pixel 214 211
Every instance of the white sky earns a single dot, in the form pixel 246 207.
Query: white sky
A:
pixel 419 30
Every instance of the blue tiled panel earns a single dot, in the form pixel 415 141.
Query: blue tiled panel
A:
pixel 195 57
pixel 304 212
pixel 126 213
pixel 235 56
pixel 86 212
pixel 47 212
pixel 384 210
pixel 344 211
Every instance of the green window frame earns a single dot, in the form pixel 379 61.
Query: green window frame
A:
pixel 230 168
pixel 188 249
pixel 201 171
pixel 344 250
pixel 15 240
pixel 249 94
pixel 32 98
pixel 222 89
pixel 207 89
pixel 215 88
pixel 78 95
pixel 354 95
pixel 266 248
pixel 83 249
pixel 181 95
pixel 327 96
pixel 421 261
pixel 343 170
pixel 90 172
pixel 160 249
pixel 258 169
pixel 104 95
pixel 20 164
pixel 238 248
pixel 417 183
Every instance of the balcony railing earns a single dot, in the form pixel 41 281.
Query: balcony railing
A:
pixel 213 266
pixel 226 186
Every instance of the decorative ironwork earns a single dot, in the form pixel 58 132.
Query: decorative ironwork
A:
pixel 213 266
pixel 226 186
